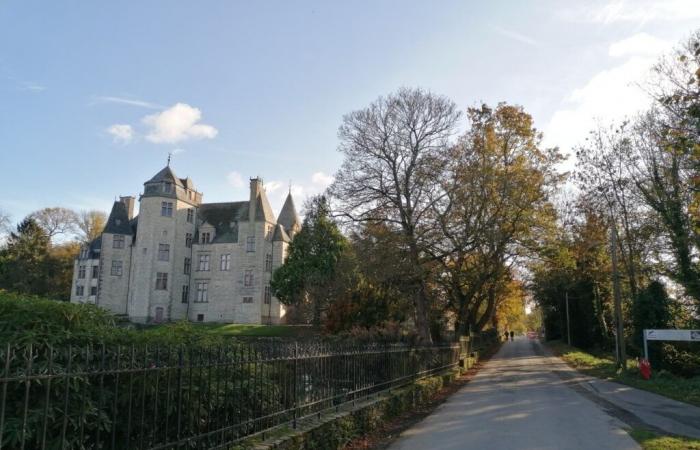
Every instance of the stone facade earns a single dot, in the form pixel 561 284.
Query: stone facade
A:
pixel 184 259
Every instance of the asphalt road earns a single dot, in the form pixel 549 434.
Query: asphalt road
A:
pixel 516 401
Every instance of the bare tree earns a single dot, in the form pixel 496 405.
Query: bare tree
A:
pixel 395 153
pixel 56 221
pixel 90 225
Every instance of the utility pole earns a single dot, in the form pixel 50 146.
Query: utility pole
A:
pixel 568 321
pixel 620 339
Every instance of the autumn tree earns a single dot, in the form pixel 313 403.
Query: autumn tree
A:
pixel 90 225
pixel 494 207
pixel 395 150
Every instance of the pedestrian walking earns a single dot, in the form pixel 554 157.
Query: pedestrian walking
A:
pixel 511 335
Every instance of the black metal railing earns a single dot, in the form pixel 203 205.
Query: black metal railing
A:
pixel 100 397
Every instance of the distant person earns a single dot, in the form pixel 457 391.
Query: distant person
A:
pixel 511 335
pixel 506 333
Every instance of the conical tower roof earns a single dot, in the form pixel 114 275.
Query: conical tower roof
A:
pixel 288 217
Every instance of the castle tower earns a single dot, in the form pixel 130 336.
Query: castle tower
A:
pixel 289 218
pixel 160 282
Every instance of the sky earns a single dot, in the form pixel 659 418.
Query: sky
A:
pixel 95 95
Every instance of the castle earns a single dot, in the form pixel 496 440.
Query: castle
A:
pixel 181 259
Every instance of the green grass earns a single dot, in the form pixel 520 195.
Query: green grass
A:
pixel 603 366
pixel 234 329
pixel 652 441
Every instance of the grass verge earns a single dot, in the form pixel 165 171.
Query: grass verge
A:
pixel 653 441
pixel 235 329
pixel 603 366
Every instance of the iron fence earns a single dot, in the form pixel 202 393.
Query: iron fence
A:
pixel 100 397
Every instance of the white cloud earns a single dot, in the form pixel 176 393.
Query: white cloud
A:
pixel 235 179
pixel 273 186
pixel 322 180
pixel 176 124
pixel 121 133
pixel 126 101
pixel 638 44
pixel 514 35
pixel 31 86
pixel 635 11
pixel 609 96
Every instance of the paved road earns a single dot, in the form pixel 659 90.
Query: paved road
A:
pixel 515 402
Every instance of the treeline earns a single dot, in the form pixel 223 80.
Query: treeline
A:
pixel 639 179
pixel 36 256
pixel 433 221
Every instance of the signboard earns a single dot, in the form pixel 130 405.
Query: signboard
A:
pixel 672 335
pixel 669 335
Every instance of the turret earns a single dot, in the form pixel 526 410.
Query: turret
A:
pixel 288 217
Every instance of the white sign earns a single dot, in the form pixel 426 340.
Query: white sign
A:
pixel 672 335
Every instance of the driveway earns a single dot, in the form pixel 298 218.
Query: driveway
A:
pixel 517 401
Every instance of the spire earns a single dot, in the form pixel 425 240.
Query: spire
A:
pixel 288 217
pixel 169 156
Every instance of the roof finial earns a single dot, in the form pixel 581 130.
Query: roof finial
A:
pixel 290 187
pixel 169 156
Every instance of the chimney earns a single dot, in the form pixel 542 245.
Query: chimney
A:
pixel 129 202
pixel 255 188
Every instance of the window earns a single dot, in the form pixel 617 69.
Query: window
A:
pixel 250 244
pixel 80 291
pixel 190 215
pixel 248 278
pixel 269 232
pixel 203 263
pixel 188 240
pixel 247 299
pixel 188 266
pixel 118 241
pixel 225 262
pixel 81 272
pixel 268 263
pixel 166 209
pixel 200 317
pixel 161 281
pixel 202 292
pixel 84 253
pixel 95 272
pixel 117 268
pixel 163 252
pixel 185 293
pixel 167 187
pixel 204 238
pixel 267 298
pixel 93 290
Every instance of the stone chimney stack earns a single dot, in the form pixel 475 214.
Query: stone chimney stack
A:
pixel 129 202
pixel 256 186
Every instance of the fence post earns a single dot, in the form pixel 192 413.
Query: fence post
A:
pixel 296 387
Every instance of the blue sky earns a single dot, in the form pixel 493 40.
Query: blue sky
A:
pixel 94 95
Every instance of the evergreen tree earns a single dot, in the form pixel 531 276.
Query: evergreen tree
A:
pixel 303 281
pixel 25 261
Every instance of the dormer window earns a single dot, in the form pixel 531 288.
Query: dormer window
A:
pixel 205 238
pixel 167 187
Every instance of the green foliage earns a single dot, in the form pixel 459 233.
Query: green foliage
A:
pixel 29 264
pixel 653 441
pixel 311 263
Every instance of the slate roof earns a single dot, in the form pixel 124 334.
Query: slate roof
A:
pixel 118 221
pixel 224 217
pixel 166 174
pixel 263 210
pixel 280 234
pixel 288 216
